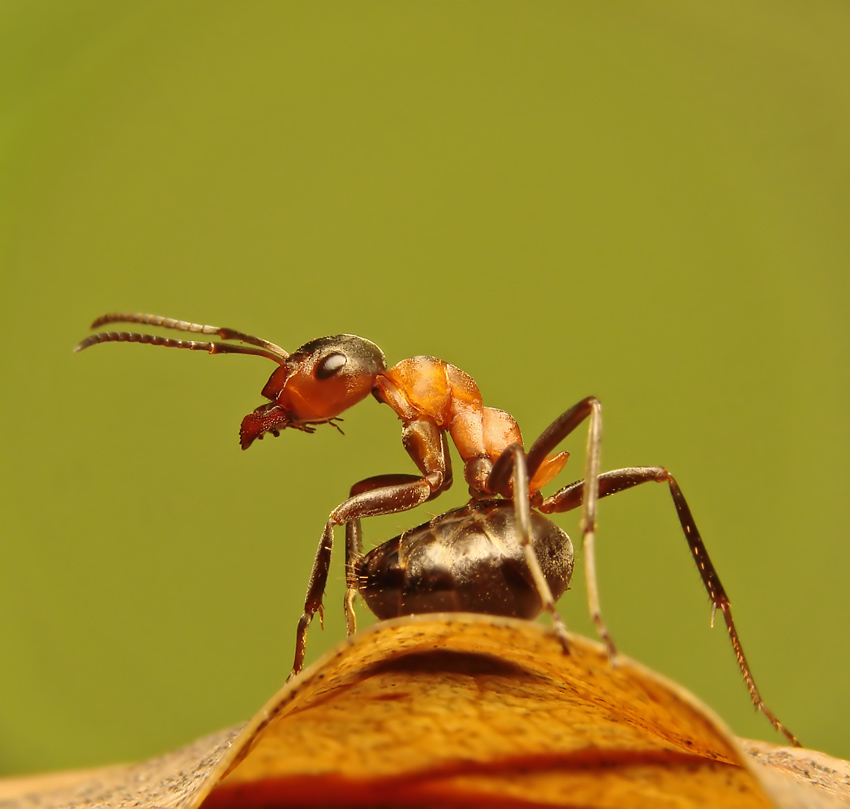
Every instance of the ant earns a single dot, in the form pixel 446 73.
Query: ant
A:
pixel 497 555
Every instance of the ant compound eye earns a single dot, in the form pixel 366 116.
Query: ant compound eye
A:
pixel 330 365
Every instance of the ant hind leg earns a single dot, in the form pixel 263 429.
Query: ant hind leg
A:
pixel 618 480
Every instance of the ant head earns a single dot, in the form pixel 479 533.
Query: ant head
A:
pixel 315 384
pixel 312 386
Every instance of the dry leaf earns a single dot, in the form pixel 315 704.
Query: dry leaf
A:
pixel 797 774
pixel 459 710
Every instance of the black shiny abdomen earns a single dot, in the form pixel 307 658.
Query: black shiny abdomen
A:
pixel 467 560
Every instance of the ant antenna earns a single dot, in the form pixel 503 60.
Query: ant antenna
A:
pixel 263 348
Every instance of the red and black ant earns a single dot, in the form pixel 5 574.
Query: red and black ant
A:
pixel 497 555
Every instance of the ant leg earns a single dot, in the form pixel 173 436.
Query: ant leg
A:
pixel 354 542
pixel 512 462
pixel 619 480
pixel 313 600
pixel 353 551
pixel 384 500
pixel 426 445
pixel 556 432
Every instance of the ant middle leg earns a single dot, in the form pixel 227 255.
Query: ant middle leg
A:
pixel 512 465
pixel 618 480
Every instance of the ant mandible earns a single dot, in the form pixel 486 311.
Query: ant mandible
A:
pixel 432 398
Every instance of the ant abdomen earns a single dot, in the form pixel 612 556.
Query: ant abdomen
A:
pixel 470 559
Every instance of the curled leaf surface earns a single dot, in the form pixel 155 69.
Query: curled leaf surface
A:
pixel 457 710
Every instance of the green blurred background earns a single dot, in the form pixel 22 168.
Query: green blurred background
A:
pixel 648 202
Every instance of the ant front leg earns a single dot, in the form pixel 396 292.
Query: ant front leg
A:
pixel 384 500
pixel 619 480
pixel 384 494
pixel 556 432
pixel 354 541
pixel 512 464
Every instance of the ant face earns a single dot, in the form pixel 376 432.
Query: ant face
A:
pixel 314 385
